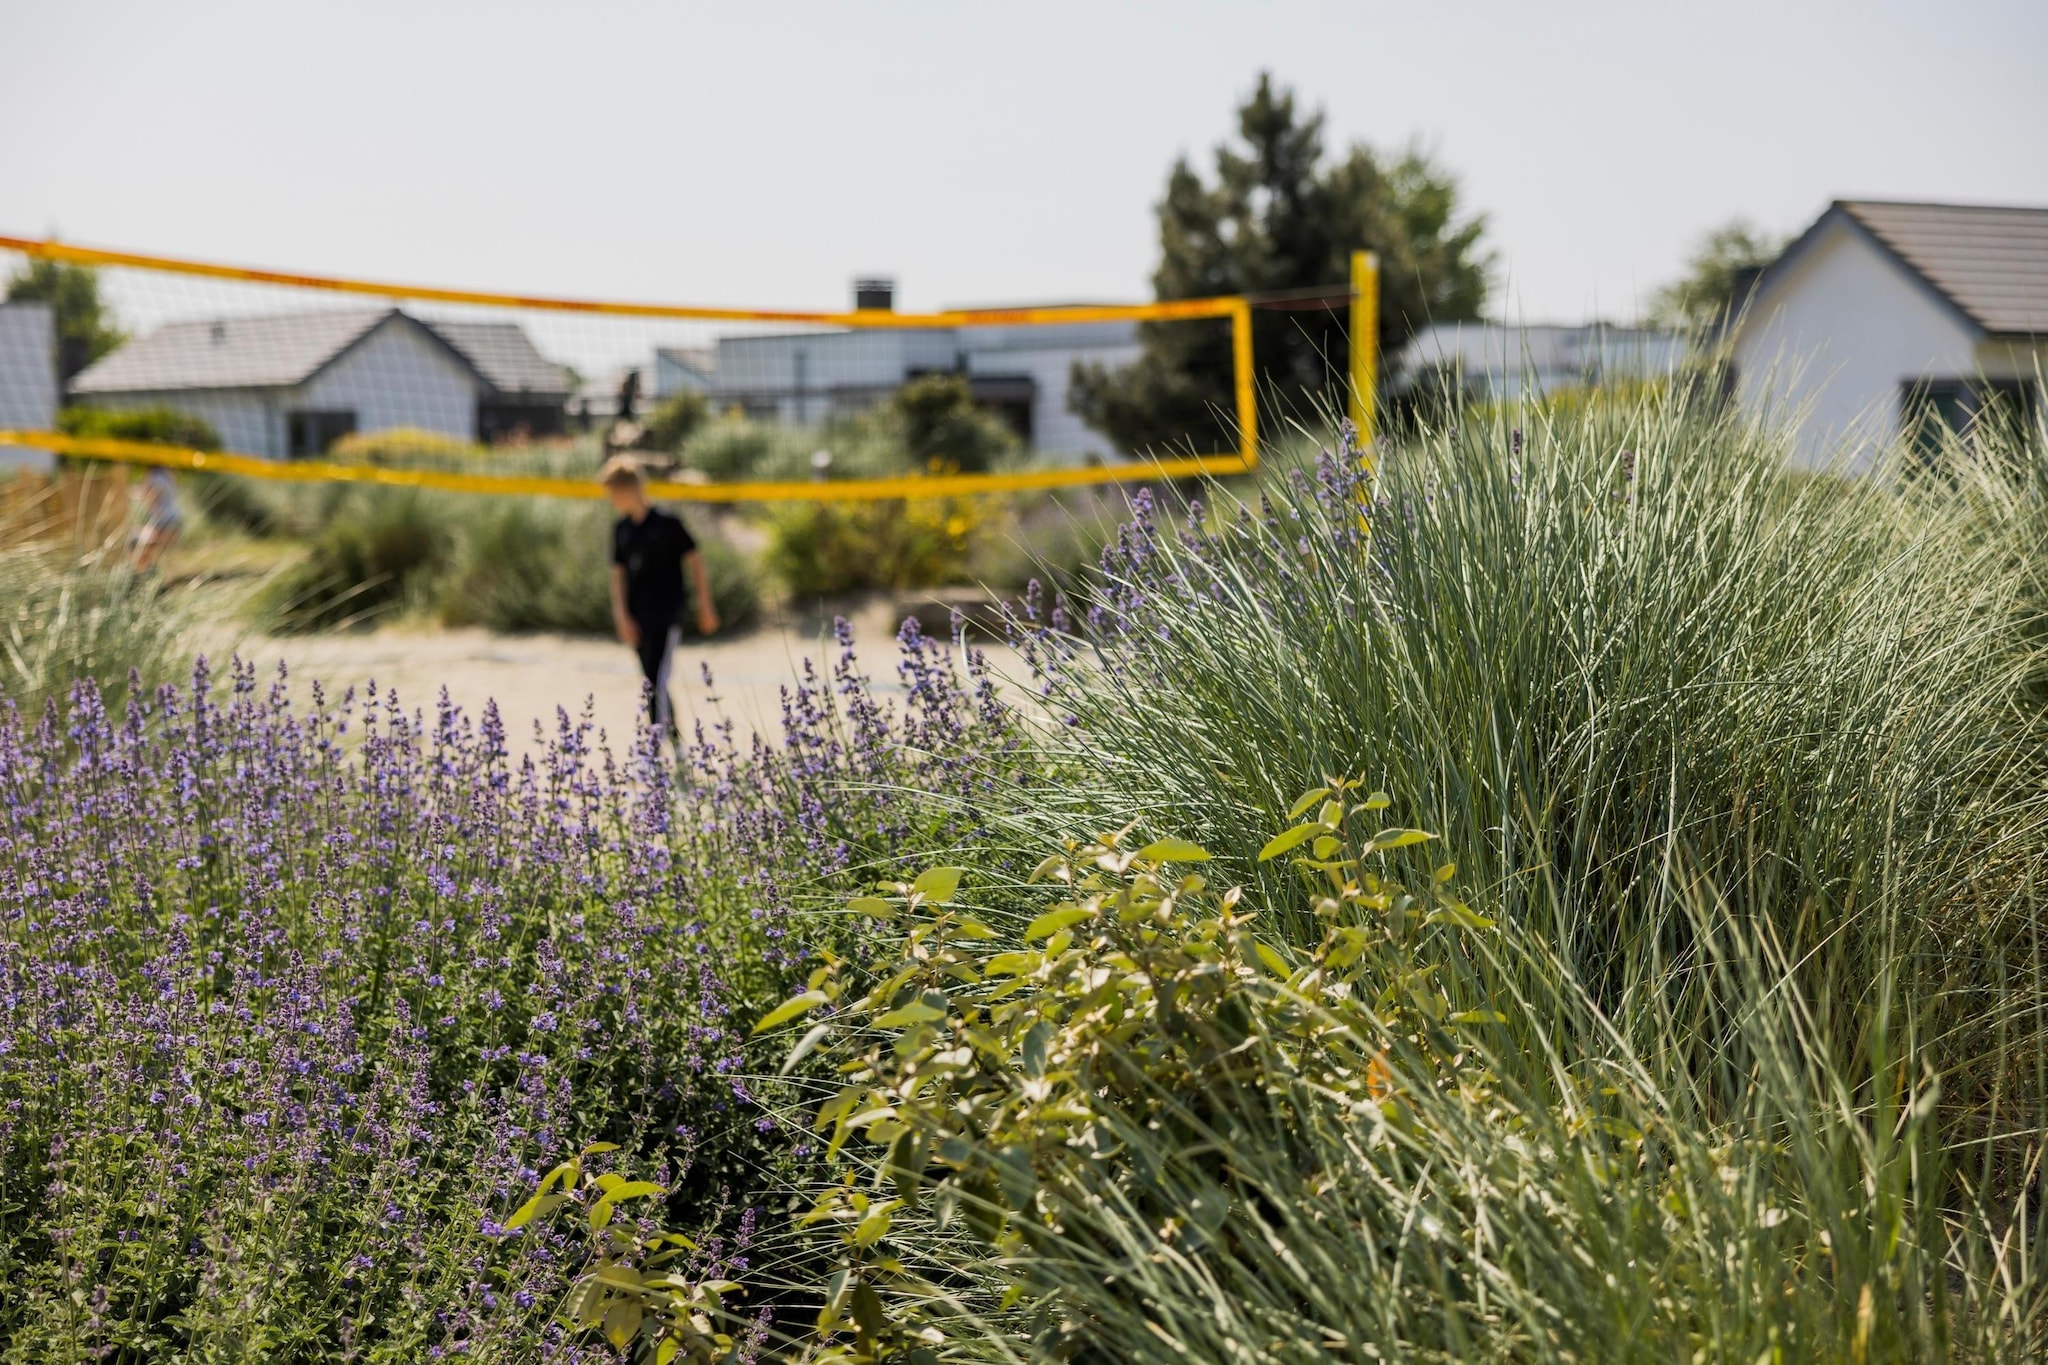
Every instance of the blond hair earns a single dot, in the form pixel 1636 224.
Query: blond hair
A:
pixel 621 472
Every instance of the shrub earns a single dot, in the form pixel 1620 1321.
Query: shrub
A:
pixel 1122 1118
pixel 376 553
pixel 536 564
pixel 733 448
pixel 820 549
pixel 941 425
pixel 401 446
pixel 675 421
pixel 528 564
pixel 159 426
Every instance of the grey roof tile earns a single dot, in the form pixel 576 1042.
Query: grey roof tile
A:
pixel 229 353
pixel 506 356
pixel 1990 261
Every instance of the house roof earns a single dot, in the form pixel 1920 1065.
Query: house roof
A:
pixel 230 353
pixel 505 356
pixel 702 359
pixel 287 349
pixel 1989 262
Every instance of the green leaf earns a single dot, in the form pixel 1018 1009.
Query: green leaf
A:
pixel 1292 838
pixel 916 1012
pixel 937 884
pixel 1033 1048
pixel 622 1321
pixel 1054 920
pixel 973 929
pixel 634 1189
pixel 1462 915
pixel 1173 851
pixel 1275 963
pixel 804 1046
pixel 1378 801
pixel 1479 1017
pixel 790 1009
pixel 872 905
pixel 1399 838
pixel 1301 807
pixel 867 1311
pixel 594 1148
pixel 533 1208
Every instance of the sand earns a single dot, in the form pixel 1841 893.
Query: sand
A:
pixel 533 678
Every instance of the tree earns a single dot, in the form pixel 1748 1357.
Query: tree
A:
pixel 941 424
pixel 1702 296
pixel 1278 218
pixel 86 329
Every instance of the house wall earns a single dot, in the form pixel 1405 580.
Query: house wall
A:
pixel 28 379
pixel 2014 360
pixel 1828 346
pixel 248 421
pixel 865 362
pixel 1055 430
pixel 397 376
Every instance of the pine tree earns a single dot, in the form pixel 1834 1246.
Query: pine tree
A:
pixel 1278 219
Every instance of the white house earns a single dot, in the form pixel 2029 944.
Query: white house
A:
pixel 290 385
pixel 1884 316
pixel 28 379
pixel 1492 361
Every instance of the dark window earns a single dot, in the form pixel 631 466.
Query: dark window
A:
pixel 313 433
pixel 2001 414
pixel 514 418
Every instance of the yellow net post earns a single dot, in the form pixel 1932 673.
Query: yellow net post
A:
pixel 1365 331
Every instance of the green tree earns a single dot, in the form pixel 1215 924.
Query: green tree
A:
pixel 941 423
pixel 1701 297
pixel 86 329
pixel 1280 217
pixel 675 421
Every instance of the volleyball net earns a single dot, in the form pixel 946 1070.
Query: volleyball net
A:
pixel 146 360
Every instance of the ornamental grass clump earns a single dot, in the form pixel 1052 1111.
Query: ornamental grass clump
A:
pixel 1603 655
pixel 292 1000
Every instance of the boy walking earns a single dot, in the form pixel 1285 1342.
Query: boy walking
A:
pixel 651 549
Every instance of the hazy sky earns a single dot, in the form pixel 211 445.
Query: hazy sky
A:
pixel 765 153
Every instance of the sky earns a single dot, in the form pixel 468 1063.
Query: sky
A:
pixel 764 154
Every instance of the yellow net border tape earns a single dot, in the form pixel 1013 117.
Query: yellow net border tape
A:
pixel 1236 308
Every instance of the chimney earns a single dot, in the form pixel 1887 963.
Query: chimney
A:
pixel 877 293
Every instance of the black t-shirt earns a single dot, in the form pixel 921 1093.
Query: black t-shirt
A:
pixel 651 552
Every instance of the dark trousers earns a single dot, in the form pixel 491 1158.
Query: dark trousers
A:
pixel 657 652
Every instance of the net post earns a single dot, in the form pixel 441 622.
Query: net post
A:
pixel 1241 366
pixel 1365 332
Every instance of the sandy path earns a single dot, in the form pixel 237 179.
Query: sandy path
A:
pixel 532 676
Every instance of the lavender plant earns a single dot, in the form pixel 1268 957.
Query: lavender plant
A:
pixel 294 1003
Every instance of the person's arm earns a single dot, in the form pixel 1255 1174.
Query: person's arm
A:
pixel 622 620
pixel 700 593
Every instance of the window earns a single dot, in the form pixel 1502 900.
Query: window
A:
pixel 2004 414
pixel 312 433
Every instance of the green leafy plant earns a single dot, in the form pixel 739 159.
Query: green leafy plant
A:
pixel 630 1289
pixel 675 421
